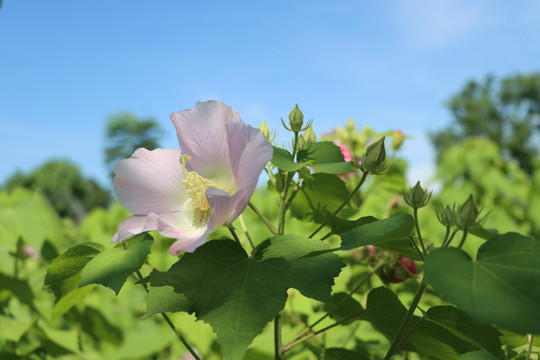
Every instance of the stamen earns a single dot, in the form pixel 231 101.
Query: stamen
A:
pixel 196 186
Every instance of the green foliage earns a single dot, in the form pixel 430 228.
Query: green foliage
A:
pixel 501 286
pixel 322 308
pixel 505 112
pixel 324 156
pixel 125 133
pixel 63 274
pixel 63 184
pixel 442 334
pixel 392 234
pixel 476 167
pixel 318 194
pixel 237 294
pixel 112 267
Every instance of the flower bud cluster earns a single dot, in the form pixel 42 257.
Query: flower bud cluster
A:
pixel 466 216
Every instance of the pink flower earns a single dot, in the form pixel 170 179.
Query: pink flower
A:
pixel 346 152
pixel 186 194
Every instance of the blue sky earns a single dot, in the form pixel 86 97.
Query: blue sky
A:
pixel 66 65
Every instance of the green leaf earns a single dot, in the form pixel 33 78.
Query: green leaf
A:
pixel 461 325
pixel 70 300
pixel 64 272
pixel 478 355
pixel 482 233
pixel 112 267
pixel 238 294
pixel 344 354
pixel 10 286
pixel 502 286
pixel 165 299
pixel 284 160
pixel 385 312
pixel 326 157
pixel 320 193
pixel 29 216
pixel 340 226
pixel 392 234
pixel 345 306
pixel 12 329
pixel 98 327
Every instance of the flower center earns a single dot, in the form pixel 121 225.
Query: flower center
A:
pixel 196 186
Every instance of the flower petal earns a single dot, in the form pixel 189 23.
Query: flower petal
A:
pixel 224 206
pixel 249 152
pixel 178 225
pixel 150 182
pixel 201 135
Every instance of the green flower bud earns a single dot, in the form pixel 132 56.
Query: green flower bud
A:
pixel 447 216
pixel 296 119
pixel 265 130
pixel 417 196
pixel 307 139
pixel 374 157
pixel 467 214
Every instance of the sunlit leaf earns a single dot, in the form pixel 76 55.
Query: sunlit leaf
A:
pixel 70 299
pixel 112 267
pixel 326 157
pixel 64 272
pixel 392 234
pixel 284 160
pixel 238 294
pixel 340 226
pixel 501 286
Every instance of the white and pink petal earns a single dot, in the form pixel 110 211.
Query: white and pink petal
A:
pixel 150 182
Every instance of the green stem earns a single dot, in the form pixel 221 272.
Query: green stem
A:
pixel 310 335
pixel 345 202
pixel 267 222
pixel 410 332
pixel 278 347
pixel 171 325
pixel 353 291
pixel 282 211
pixel 446 236
pixel 244 228
pixel 406 320
pixel 416 247
pixel 465 232
pixel 293 195
pixel 231 229
pixel 338 305
pixel 451 238
pixel 420 240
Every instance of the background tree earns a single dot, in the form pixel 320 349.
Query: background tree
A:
pixel 63 184
pixel 506 112
pixel 125 133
